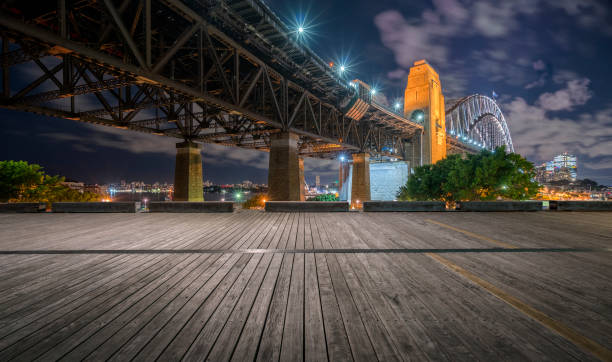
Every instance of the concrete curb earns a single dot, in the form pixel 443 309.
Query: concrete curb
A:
pixel 20 207
pixel 403 206
pixel 307 206
pixel 499 206
pixel 191 207
pixel 93 207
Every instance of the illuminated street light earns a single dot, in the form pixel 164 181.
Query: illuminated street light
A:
pixel 342 68
pixel 341 158
pixel 373 91
pixel 397 106
pixel 301 29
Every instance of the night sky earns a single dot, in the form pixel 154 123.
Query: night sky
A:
pixel 548 60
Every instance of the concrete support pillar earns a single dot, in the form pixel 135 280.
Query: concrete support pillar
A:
pixel 284 168
pixel 188 172
pixel 302 182
pixel 360 186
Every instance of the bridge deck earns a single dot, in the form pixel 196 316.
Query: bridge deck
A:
pixel 216 286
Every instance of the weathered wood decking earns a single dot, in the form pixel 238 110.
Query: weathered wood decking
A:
pixel 392 286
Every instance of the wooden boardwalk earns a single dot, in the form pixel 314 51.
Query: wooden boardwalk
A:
pixel 306 286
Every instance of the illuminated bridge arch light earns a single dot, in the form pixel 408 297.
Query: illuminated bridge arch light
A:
pixel 480 122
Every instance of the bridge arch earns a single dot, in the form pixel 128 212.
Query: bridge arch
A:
pixel 478 120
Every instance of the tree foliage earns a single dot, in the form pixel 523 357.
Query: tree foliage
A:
pixel 18 178
pixel 483 176
pixel 257 201
pixel 24 182
pixel 324 197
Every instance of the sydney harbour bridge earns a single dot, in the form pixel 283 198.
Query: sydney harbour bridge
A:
pixel 226 72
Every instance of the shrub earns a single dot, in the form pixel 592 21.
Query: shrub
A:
pixel 257 201
pixel 324 197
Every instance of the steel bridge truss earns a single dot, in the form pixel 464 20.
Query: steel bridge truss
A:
pixel 223 72
pixel 476 122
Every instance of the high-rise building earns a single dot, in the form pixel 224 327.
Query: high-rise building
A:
pixel 566 164
pixel 317 181
pixel 563 167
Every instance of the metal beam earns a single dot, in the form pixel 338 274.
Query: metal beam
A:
pixel 125 33
pixel 182 39
pixel 145 76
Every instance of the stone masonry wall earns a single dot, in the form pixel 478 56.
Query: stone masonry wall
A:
pixel 386 179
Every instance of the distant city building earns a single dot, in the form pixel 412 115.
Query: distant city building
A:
pixel 566 165
pixel 563 167
pixel 75 185
pixel 317 181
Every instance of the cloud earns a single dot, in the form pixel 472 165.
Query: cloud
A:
pixel 410 42
pixel 397 74
pixel 140 143
pixel 590 14
pixel 539 65
pixel 563 76
pixel 380 98
pixel 539 134
pixel 576 93
pixel 541 81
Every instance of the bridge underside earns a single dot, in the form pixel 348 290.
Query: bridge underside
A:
pixel 198 74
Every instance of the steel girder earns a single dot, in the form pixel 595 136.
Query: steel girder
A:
pixel 197 70
pixel 479 119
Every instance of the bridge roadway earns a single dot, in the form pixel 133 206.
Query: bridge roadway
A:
pixel 350 286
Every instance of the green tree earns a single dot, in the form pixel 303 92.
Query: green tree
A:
pixel 23 182
pixel 257 201
pixel 18 178
pixel 483 176
pixel 324 197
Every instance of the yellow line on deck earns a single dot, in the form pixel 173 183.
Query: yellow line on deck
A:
pixel 474 235
pixel 566 332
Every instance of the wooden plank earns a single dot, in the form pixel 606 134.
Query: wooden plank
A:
pixel 338 347
pixel 400 332
pixel 16 343
pixel 177 334
pixel 153 337
pixel 292 348
pixel 271 339
pixel 360 342
pixel 315 348
pixel 62 341
pixel 246 347
pixel 35 296
pixel 380 338
pixel 196 338
pixel 254 299
pixel 24 321
pixel 109 338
